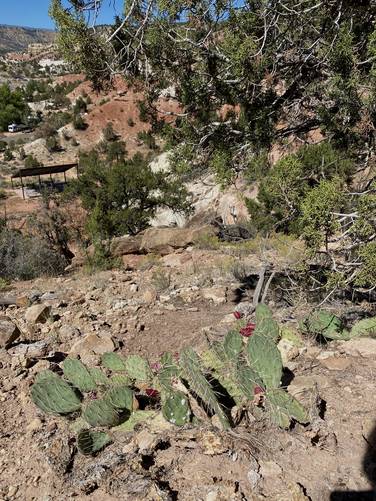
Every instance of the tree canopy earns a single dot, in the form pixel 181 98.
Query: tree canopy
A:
pixel 247 75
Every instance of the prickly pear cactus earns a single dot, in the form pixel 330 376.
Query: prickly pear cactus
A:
pixel 321 322
pixel 138 368
pixel 113 361
pixel 89 442
pixel 119 380
pixel 269 328
pixel 168 371
pixel 248 380
pixel 232 345
pixel 120 397
pixel 134 419
pixel 100 413
pixel 283 408
pixel 175 408
pixel 265 359
pixel 99 377
pixel 262 312
pixel 54 395
pixel 78 375
pixel 365 327
pixel 191 371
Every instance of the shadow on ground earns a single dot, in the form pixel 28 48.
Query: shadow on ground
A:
pixel 369 468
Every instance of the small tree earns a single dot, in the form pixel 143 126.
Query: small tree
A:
pixel 8 155
pixel 108 133
pixel 79 123
pixel 123 198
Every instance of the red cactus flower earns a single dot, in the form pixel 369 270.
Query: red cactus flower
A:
pixel 257 390
pixel 151 392
pixel 238 315
pixel 248 330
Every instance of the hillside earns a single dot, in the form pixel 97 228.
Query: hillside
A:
pixel 17 38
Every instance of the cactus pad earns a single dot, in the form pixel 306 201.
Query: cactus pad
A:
pixel 53 395
pixel 100 413
pixel 168 371
pixel 247 380
pixel 265 358
pixel 78 375
pixel 175 408
pixel 365 327
pixel 134 419
pixel 283 407
pixel 99 377
pixel 191 367
pixel 90 442
pixel 262 312
pixel 138 368
pixel 232 345
pixel 119 380
pixel 120 397
pixel 113 361
pixel 323 323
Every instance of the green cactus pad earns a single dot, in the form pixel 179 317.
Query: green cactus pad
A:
pixel 119 380
pixel 232 345
pixel 365 327
pixel 191 371
pixel 283 407
pixel 269 328
pixel 247 380
pixel 321 322
pixel 46 375
pixel 100 413
pixel 138 368
pixel 78 375
pixel 90 442
pixel 54 396
pixel 175 408
pixel 120 397
pixel 211 360
pixel 265 358
pixel 113 361
pixel 99 377
pixel 134 419
pixel 168 371
pixel 262 312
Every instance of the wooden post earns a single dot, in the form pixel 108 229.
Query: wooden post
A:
pixel 52 181
pixel 40 182
pixel 23 190
pixel 65 177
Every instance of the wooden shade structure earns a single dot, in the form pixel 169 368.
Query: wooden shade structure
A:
pixel 45 170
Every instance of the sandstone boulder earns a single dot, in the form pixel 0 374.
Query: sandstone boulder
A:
pixel 9 332
pixel 37 314
pixel 165 240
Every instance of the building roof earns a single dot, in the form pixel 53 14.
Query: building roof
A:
pixel 43 170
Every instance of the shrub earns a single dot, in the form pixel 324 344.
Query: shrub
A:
pixel 108 133
pixel 26 257
pixel 79 123
pixel 80 106
pixel 8 155
pixel 123 198
pixel 31 162
pixel 52 144
pixel 148 139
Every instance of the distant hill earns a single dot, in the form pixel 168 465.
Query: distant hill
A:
pixel 17 38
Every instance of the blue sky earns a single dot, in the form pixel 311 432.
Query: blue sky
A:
pixel 34 13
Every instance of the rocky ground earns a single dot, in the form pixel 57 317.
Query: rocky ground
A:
pixel 149 306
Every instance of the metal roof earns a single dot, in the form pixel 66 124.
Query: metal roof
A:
pixel 43 170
